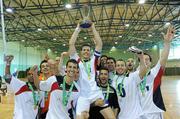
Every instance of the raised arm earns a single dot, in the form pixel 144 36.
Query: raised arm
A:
pixel 8 60
pixel 63 54
pixel 168 37
pixel 72 41
pixel 142 66
pixel 97 39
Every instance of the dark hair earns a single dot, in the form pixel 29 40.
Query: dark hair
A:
pixel 88 45
pixel 103 68
pixel 122 61
pixel 72 61
pixel 150 58
pixel 111 58
pixel 23 74
pixel 44 61
pixel 103 56
pixel 27 70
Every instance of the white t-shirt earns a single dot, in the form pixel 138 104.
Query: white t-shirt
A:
pixel 87 85
pixel 56 108
pixel 24 103
pixel 129 101
pixel 152 100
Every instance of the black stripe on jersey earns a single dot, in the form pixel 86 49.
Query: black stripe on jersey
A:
pixel 157 96
pixel 158 100
pixel 60 83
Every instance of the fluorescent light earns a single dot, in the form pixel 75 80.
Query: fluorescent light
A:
pixel 120 36
pixel 155 47
pixel 64 44
pixel 22 40
pixel 85 37
pixel 113 48
pixel 39 29
pixel 127 25
pixel 167 23
pixel 139 42
pixel 116 42
pixel 150 35
pixel 54 39
pixel 141 1
pixel 9 10
pixel 49 50
pixel 68 6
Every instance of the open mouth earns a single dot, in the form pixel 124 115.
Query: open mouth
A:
pixel 130 65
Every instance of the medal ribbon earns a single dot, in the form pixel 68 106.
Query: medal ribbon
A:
pixel 35 96
pixel 87 68
pixel 143 84
pixel 66 95
pixel 108 90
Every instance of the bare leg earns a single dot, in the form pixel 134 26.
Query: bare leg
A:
pixel 108 113
pixel 84 115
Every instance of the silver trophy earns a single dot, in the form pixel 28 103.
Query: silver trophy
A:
pixel 135 50
pixel 86 22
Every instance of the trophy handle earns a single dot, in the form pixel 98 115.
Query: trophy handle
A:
pixel 85 11
pixel 86 22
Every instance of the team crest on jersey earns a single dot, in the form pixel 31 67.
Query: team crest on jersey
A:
pixel 122 92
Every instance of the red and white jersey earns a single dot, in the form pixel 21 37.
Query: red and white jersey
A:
pixel 56 108
pixel 87 81
pixel 24 103
pixel 129 101
pixel 152 101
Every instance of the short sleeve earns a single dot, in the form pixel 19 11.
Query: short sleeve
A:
pixel 46 84
pixel 156 69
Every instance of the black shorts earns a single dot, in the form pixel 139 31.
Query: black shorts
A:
pixel 94 112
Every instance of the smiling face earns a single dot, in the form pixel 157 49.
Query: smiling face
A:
pixel 45 68
pixel 120 67
pixel 103 61
pixel 86 52
pixel 111 65
pixel 30 77
pixel 130 64
pixel 103 76
pixel 72 70
pixel 147 61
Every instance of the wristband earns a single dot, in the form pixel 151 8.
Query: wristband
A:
pixel 8 64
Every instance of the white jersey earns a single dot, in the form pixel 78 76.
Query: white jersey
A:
pixel 24 103
pixel 152 101
pixel 129 101
pixel 111 76
pixel 56 108
pixel 87 84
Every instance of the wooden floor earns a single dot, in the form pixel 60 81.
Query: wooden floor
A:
pixel 170 90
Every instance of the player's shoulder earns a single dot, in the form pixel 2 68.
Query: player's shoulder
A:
pixel 59 78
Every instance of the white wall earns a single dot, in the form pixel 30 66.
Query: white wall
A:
pixel 23 56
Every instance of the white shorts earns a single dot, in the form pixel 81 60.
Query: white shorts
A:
pixel 83 103
pixel 158 115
